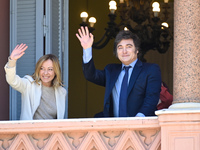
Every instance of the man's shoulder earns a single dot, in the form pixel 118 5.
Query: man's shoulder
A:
pixel 150 67
pixel 113 66
pixel 145 64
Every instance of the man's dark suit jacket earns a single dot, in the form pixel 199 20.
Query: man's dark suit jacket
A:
pixel 143 90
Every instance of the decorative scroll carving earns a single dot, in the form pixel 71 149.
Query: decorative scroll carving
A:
pixel 64 135
pixel 6 140
pixel 40 139
pixel 76 137
pixel 111 137
pixel 147 136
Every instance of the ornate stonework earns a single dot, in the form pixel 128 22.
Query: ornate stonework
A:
pixel 100 134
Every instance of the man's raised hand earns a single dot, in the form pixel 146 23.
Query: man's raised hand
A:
pixel 85 38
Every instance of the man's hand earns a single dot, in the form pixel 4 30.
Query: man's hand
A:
pixel 85 37
pixel 18 51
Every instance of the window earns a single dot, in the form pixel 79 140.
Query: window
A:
pixel 43 26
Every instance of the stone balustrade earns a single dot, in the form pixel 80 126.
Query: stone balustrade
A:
pixel 177 129
pixel 81 134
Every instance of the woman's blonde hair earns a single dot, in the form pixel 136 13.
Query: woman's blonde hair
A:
pixel 57 81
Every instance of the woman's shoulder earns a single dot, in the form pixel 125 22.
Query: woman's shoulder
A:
pixel 28 77
pixel 31 82
pixel 62 89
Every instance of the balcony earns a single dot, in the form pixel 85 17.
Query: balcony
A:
pixel 82 134
pixel 172 130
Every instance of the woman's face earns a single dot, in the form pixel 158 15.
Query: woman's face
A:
pixel 47 73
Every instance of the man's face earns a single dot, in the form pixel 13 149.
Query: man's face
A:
pixel 126 51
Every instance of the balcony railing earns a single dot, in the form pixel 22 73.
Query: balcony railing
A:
pixel 81 134
pixel 172 129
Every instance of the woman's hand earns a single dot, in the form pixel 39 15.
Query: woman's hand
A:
pixel 85 37
pixel 18 51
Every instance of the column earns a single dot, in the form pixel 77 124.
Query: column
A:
pixel 186 78
pixel 180 124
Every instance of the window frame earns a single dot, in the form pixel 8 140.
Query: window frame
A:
pixel 40 31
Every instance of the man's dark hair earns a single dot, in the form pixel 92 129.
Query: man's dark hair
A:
pixel 126 34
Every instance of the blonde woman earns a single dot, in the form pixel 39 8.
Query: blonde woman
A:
pixel 42 94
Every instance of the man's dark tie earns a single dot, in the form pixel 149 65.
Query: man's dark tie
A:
pixel 123 94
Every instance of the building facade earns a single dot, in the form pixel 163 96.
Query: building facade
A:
pixel 175 128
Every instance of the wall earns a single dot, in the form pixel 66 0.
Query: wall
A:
pixel 85 98
pixel 4 51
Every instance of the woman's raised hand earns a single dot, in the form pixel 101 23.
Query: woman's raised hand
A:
pixel 18 51
pixel 85 37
